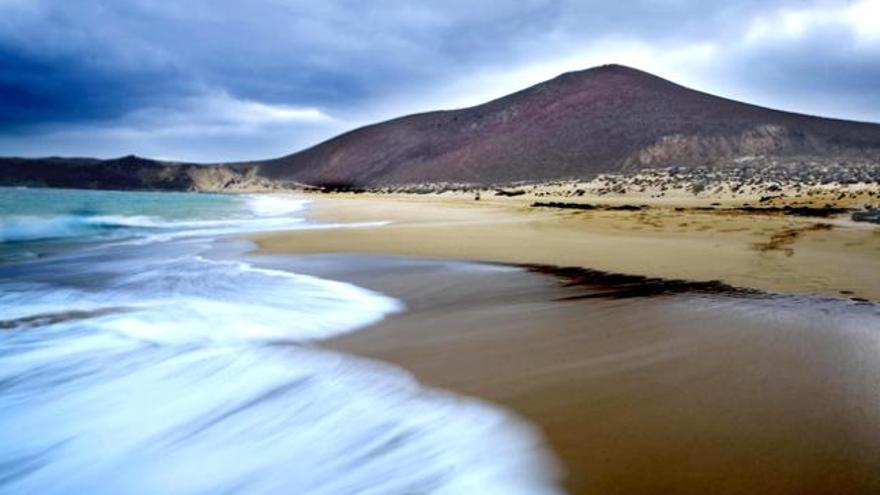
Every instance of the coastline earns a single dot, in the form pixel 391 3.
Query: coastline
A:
pixel 682 393
pixel 685 393
pixel 637 385
pixel 136 339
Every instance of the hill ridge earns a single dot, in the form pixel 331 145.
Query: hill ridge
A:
pixel 605 119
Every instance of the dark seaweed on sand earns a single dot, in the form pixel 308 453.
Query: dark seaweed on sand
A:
pixel 599 284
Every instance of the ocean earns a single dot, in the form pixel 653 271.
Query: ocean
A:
pixel 141 353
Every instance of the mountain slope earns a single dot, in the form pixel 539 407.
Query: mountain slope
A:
pixel 127 173
pixel 605 119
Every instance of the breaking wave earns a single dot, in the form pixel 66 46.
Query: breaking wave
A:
pixel 144 367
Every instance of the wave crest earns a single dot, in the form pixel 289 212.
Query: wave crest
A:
pixel 34 228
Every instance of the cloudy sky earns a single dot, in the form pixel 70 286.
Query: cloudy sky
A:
pixel 220 80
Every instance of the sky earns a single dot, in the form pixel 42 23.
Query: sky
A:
pixel 228 80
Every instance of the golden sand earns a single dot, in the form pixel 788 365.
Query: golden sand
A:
pixel 772 252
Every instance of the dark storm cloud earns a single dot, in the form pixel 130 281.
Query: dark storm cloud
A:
pixel 42 88
pixel 227 79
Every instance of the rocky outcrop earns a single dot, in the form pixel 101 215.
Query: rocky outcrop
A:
pixel 698 150
pixel 134 173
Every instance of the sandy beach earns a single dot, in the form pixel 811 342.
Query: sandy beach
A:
pixel 771 252
pixel 685 393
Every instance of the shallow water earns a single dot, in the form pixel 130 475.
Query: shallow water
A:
pixel 135 360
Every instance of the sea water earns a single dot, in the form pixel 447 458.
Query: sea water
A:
pixel 132 360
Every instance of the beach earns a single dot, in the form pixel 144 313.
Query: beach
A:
pixel 766 390
pixel 772 252
pixel 401 344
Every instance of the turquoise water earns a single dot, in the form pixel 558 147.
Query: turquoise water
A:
pixel 34 222
pixel 136 360
pixel 170 206
pixel 34 219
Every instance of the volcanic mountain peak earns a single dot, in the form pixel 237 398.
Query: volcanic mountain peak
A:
pixel 610 118
pixel 604 119
pixel 609 72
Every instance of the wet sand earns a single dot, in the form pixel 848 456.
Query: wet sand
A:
pixel 685 394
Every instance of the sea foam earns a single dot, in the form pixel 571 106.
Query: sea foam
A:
pixel 147 366
pixel 275 204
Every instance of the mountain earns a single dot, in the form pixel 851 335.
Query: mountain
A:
pixel 605 119
pixel 128 173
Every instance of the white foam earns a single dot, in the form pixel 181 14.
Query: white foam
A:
pixel 254 421
pixel 190 375
pixel 274 205
pixel 187 391
pixel 189 299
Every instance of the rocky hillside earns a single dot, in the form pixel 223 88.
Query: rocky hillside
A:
pixel 607 119
pixel 130 173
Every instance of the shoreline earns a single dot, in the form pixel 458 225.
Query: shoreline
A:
pixel 638 387
pixel 675 392
pixel 773 252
